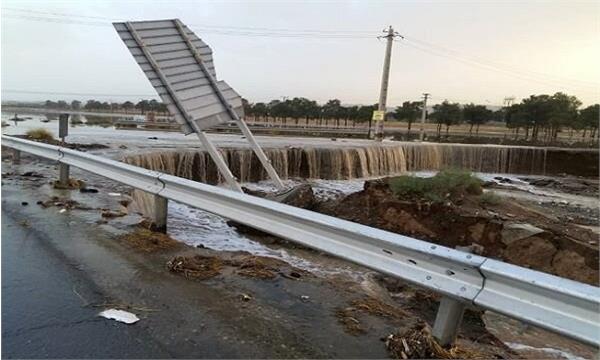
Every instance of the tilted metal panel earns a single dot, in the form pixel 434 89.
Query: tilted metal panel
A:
pixel 181 75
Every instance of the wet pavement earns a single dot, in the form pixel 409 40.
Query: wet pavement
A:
pixel 42 313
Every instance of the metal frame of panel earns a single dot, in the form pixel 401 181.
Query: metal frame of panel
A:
pixel 180 67
pixel 557 304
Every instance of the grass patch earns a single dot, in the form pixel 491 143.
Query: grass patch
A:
pixel 40 134
pixel 489 198
pixel 445 184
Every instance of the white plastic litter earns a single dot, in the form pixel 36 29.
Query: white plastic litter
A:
pixel 114 194
pixel 62 211
pixel 119 315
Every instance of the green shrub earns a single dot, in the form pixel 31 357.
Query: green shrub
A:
pixel 40 134
pixel 445 184
pixel 489 198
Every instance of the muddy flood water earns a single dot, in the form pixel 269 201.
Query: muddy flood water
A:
pixel 256 295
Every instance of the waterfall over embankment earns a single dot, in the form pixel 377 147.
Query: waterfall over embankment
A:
pixel 337 163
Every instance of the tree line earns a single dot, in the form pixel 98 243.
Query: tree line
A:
pixel 547 115
pixel 302 109
pixel 141 106
pixel 538 117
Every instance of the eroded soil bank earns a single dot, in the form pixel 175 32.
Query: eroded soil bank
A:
pixel 509 230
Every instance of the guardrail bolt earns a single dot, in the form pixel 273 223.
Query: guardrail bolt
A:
pixel 16 158
pixel 447 320
pixel 159 214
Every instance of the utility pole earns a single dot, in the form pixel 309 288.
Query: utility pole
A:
pixel 423 115
pixel 380 117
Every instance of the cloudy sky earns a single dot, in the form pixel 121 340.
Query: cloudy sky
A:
pixel 467 51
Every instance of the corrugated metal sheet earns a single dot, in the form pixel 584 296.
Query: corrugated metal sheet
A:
pixel 173 70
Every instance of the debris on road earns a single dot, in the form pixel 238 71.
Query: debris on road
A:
pixel 107 213
pixel 202 267
pixel 148 241
pixel 88 190
pixel 72 184
pixel 119 315
pixel 349 316
pixel 196 267
pixel 419 343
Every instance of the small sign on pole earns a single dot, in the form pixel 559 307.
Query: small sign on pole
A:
pixel 63 126
pixel 378 115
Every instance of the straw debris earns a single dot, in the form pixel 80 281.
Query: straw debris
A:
pixel 419 343
pixel 149 241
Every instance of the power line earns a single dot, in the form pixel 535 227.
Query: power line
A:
pixel 247 28
pixel 499 70
pixel 16 91
pixel 203 29
pixel 500 65
pixel 421 45
pixel 545 79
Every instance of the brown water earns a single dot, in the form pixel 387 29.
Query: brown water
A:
pixel 347 162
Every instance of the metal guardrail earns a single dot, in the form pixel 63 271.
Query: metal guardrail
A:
pixel 557 304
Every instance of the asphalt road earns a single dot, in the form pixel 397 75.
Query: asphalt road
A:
pixel 42 315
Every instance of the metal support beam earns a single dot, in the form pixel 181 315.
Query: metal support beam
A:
pixel 16 158
pixel 159 214
pixel 215 155
pixel 447 320
pixel 63 174
pixel 266 163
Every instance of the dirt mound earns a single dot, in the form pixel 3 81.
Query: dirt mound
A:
pixel 149 241
pixel 507 230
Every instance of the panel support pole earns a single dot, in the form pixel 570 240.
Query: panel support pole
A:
pixel 216 156
pixel 266 163
pixel 447 320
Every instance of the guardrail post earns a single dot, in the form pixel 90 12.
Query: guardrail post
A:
pixel 159 214
pixel 63 177
pixel 447 320
pixel 16 158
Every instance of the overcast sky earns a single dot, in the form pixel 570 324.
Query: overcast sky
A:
pixel 463 51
